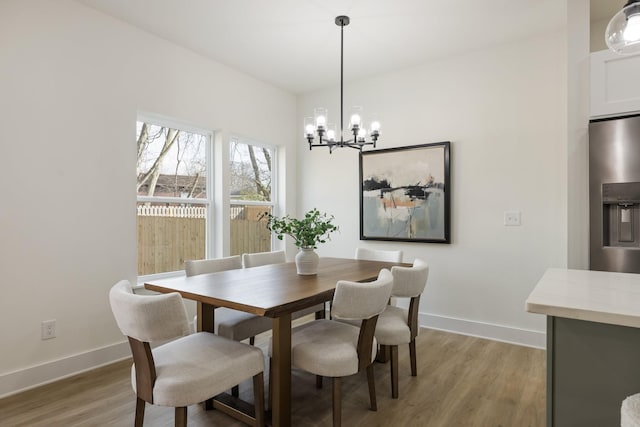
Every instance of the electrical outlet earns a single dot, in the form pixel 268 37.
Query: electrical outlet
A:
pixel 512 218
pixel 48 329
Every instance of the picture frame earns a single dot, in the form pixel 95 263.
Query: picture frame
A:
pixel 405 194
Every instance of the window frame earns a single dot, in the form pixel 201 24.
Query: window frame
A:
pixel 210 199
pixel 273 203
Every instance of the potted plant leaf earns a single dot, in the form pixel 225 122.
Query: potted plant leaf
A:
pixel 307 233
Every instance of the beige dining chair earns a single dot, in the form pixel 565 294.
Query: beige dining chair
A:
pixel 204 266
pixel 378 255
pixel 229 323
pixel 191 368
pixel 233 324
pixel 328 348
pixel 396 325
pixel 278 257
pixel 263 258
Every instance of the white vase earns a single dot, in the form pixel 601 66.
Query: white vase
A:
pixel 307 262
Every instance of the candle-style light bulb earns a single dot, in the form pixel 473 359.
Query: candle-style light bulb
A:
pixel 375 127
pixel 310 130
pixel 355 121
pixel 320 115
pixel 309 127
pixel 331 132
pixel 362 133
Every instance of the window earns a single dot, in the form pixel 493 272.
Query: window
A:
pixel 174 197
pixel 251 194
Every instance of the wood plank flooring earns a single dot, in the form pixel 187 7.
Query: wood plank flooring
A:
pixel 462 381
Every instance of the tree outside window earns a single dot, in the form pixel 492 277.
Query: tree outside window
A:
pixel 173 201
pixel 251 194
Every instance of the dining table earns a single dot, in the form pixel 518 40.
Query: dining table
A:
pixel 275 291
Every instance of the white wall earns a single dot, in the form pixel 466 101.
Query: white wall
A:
pixel 504 111
pixel 596 35
pixel 578 103
pixel 71 83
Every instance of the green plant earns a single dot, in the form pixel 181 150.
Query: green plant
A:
pixel 307 232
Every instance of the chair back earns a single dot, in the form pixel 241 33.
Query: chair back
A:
pixel 358 301
pixel 263 258
pixel 378 255
pixel 204 266
pixel 410 282
pixel 148 318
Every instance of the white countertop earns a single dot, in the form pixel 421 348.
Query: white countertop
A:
pixel 596 296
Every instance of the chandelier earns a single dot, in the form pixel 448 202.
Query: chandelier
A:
pixel 623 32
pixel 326 132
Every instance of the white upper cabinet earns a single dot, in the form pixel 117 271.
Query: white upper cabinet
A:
pixel 615 84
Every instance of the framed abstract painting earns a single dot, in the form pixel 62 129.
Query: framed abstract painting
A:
pixel 405 194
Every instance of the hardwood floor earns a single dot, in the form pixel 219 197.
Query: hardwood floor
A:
pixel 462 381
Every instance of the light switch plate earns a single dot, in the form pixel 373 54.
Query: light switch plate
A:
pixel 512 218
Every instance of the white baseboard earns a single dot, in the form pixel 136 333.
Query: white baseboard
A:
pixel 25 379
pixel 490 331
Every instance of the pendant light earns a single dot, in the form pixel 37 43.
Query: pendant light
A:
pixel 326 132
pixel 623 32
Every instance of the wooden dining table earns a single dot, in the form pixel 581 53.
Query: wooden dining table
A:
pixel 274 291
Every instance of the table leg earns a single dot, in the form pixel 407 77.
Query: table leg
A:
pixel 281 371
pixel 205 317
pixel 205 323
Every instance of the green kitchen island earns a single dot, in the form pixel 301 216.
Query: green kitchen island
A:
pixel 593 344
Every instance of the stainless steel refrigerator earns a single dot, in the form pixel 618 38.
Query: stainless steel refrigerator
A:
pixel 614 194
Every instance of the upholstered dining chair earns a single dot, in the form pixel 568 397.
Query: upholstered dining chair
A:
pixel 378 255
pixel 278 257
pixel 204 266
pixel 397 325
pixel 328 348
pixel 263 258
pixel 189 369
pixel 233 324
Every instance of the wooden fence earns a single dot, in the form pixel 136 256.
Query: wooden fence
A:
pixel 169 235
pixel 173 211
pixel 249 237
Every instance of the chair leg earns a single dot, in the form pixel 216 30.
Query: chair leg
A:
pixel 252 340
pixel 270 391
pixel 318 381
pixel 181 416
pixel 235 391
pixel 258 398
pixel 337 402
pixel 412 356
pixel 208 404
pixel 372 387
pixel 383 354
pixel 394 371
pixel 139 412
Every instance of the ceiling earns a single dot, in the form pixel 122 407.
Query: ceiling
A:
pixel 295 44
